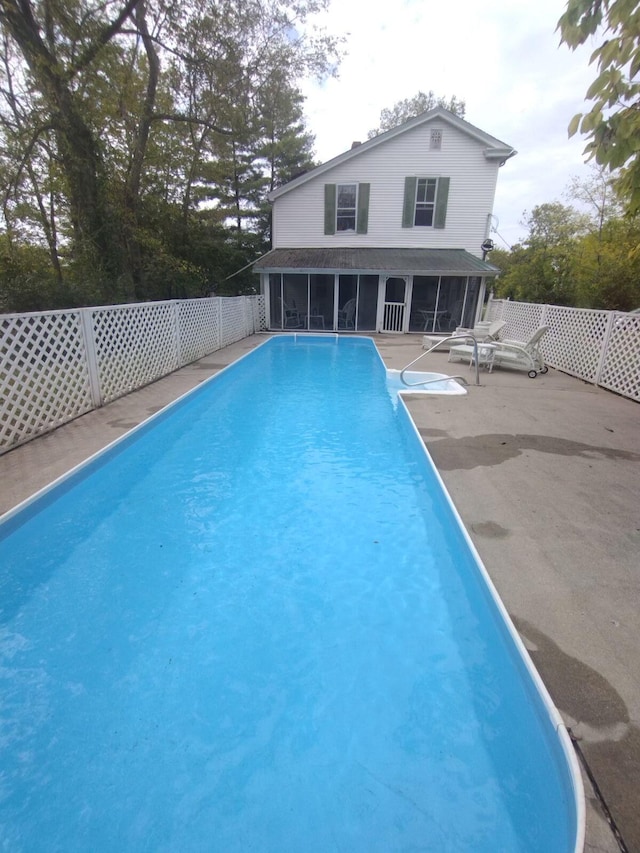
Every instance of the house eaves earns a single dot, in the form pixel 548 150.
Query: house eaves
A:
pixel 367 260
pixel 494 148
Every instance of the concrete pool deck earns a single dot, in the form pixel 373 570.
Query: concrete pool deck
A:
pixel 546 476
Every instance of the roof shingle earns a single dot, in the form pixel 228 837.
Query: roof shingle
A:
pixel 369 260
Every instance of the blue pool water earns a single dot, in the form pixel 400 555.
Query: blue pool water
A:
pixel 256 625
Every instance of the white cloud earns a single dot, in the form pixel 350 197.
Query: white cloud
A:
pixel 502 57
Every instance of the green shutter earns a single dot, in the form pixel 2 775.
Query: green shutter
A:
pixel 362 220
pixel 409 205
pixel 329 208
pixel 441 203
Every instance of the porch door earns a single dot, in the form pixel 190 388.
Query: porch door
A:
pixel 395 303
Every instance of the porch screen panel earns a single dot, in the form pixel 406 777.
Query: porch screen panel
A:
pixel 452 301
pixel 471 302
pixel 295 294
pixel 321 301
pixel 347 291
pixel 425 317
pixel 275 300
pixel 367 303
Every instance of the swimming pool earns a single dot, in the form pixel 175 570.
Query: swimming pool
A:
pixel 256 624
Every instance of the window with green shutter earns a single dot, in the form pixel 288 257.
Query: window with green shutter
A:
pixel 425 202
pixel 346 208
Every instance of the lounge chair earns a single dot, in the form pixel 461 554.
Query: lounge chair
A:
pixel 522 355
pixel 483 331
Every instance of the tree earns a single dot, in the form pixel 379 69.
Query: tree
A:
pixel 542 267
pixel 606 272
pixel 402 111
pixel 597 195
pixel 612 125
pixel 108 112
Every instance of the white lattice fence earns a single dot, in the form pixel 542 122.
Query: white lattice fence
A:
pixel 199 325
pixel 234 320
pixel 522 318
pixel 575 340
pixel 56 365
pixel 44 379
pixel 620 369
pixel 602 347
pixel 134 345
pixel 259 313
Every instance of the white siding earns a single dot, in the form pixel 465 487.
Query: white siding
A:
pixel 298 216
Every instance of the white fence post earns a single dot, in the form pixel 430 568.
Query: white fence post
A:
pixel 604 347
pixel 86 321
pixel 176 324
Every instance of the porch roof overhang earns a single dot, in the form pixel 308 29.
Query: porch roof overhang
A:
pixel 375 261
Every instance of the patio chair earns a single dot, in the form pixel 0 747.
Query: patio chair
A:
pixel 483 331
pixel 346 315
pixel 522 355
pixel 291 317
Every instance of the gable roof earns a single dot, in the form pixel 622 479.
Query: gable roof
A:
pixel 494 148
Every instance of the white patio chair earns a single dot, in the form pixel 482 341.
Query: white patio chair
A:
pixel 346 315
pixel 483 331
pixel 291 317
pixel 521 355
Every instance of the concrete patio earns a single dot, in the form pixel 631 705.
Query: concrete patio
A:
pixel 546 476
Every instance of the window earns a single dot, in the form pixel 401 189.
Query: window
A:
pixel 347 195
pixel 425 201
pixel 346 208
pixel 436 139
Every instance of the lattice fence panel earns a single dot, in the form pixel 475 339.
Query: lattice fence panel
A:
pixel 44 380
pixel 522 319
pixel 575 340
pixel 135 344
pixel 199 328
pixel 259 313
pixel 579 343
pixel 234 320
pixel 621 366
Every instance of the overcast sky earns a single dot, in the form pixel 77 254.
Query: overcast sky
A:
pixel 500 56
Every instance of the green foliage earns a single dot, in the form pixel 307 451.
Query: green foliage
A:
pixel 541 269
pixel 28 282
pixel 138 141
pixel 612 125
pixel 408 108
pixel 584 259
pixel 607 271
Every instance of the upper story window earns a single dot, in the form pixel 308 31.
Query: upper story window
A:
pixel 436 139
pixel 425 201
pixel 346 207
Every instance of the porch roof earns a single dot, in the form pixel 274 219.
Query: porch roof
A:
pixel 369 260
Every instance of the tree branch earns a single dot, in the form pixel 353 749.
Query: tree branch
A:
pixel 103 38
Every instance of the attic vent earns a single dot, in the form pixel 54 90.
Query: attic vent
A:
pixel 436 139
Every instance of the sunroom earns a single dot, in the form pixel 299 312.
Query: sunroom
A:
pixel 373 290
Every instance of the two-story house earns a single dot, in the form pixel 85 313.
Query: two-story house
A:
pixel 388 236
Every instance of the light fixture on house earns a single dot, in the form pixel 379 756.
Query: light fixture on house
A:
pixel 487 246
